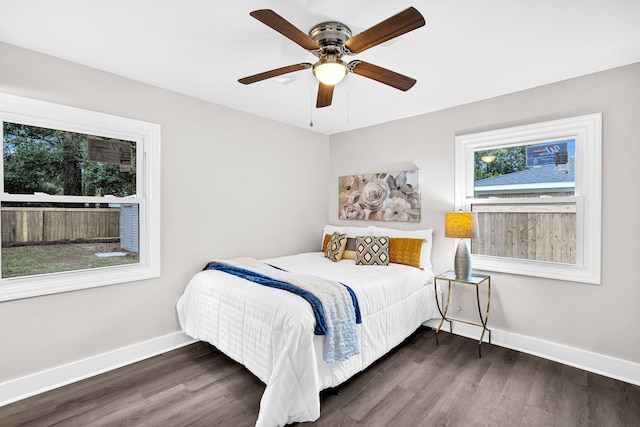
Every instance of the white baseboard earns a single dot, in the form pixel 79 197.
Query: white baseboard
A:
pixel 611 367
pixel 21 388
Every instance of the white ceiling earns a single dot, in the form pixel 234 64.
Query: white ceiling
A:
pixel 469 49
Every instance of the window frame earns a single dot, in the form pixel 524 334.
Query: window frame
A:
pixel 147 137
pixel 587 132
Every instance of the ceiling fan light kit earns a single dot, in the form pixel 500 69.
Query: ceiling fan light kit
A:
pixel 330 70
pixel 330 41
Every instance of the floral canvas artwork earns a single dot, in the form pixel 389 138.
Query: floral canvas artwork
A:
pixel 386 196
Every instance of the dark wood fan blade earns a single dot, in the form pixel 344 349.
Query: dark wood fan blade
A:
pixel 382 75
pixel 284 27
pixel 401 23
pixel 325 95
pixel 274 73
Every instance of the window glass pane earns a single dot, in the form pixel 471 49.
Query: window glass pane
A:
pixel 542 232
pixel 53 237
pixel 41 160
pixel 545 169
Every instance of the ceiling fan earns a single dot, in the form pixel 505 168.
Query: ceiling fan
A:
pixel 329 41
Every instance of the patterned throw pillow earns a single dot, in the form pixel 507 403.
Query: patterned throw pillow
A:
pixel 335 247
pixel 405 251
pixel 350 249
pixel 372 250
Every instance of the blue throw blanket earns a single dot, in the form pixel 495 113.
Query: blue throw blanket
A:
pixel 334 305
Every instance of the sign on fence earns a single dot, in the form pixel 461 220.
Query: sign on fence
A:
pixel 550 153
pixel 110 151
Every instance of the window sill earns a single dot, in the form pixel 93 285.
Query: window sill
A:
pixel 525 267
pixel 45 284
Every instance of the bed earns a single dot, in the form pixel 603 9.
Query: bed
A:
pixel 271 332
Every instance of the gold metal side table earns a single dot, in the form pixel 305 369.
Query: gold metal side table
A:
pixel 474 280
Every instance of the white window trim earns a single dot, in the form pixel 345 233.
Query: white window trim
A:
pixel 587 132
pixel 147 137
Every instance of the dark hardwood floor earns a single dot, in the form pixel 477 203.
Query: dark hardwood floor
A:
pixel 418 384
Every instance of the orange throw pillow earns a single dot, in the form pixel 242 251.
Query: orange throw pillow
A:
pixel 325 242
pixel 405 251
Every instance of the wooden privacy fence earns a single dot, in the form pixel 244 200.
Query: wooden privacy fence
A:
pixel 544 232
pixel 47 225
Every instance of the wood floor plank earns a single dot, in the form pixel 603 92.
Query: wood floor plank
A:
pixel 535 417
pixel 494 410
pixel 419 384
pixel 26 410
pixel 127 398
pixel 425 400
pixel 629 405
pixel 546 385
pixel 502 362
pixel 384 413
pixel 374 392
pixel 336 418
pixel 572 407
pixel 518 383
pixel 447 411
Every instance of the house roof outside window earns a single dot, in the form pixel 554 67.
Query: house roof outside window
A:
pixel 540 179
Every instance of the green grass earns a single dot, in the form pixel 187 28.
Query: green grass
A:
pixel 41 259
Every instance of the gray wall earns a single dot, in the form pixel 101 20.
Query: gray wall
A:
pixel 232 184
pixel 235 184
pixel 597 318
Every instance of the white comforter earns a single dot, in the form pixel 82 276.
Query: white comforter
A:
pixel 271 331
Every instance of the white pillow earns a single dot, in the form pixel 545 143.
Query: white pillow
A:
pixel 372 230
pixel 349 231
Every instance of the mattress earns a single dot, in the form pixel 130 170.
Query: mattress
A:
pixel 271 332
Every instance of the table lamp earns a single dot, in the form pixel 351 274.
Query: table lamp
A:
pixel 461 225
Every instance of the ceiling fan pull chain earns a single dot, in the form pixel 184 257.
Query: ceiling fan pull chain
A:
pixel 311 109
pixel 348 107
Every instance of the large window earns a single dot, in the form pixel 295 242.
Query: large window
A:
pixel 537 192
pixel 80 199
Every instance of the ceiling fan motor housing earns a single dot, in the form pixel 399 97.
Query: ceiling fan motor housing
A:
pixel 331 37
